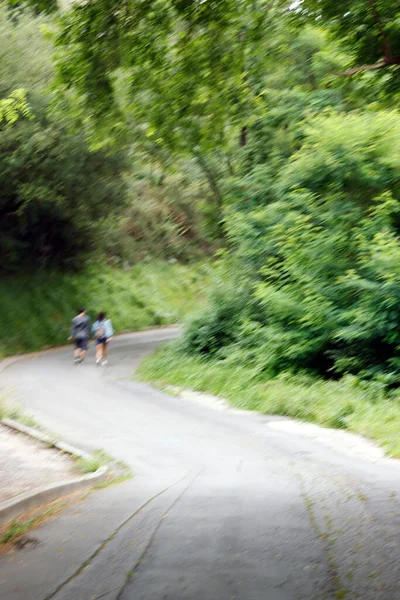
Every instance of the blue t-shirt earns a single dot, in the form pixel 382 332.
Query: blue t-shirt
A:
pixel 106 325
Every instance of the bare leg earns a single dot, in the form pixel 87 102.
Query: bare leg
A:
pixel 105 350
pixel 99 352
pixel 80 353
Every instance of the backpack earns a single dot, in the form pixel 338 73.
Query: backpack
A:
pixel 100 332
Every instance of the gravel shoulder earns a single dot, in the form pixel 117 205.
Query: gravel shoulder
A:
pixel 27 465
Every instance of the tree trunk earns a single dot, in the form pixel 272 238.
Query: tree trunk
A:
pixel 243 136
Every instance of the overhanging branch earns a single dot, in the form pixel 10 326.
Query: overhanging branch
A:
pixel 387 62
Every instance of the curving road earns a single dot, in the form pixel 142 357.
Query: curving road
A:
pixel 223 504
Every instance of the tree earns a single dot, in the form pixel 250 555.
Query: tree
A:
pixel 368 29
pixel 185 70
pixel 54 190
pixel 38 6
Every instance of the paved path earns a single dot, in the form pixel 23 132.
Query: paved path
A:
pixel 223 506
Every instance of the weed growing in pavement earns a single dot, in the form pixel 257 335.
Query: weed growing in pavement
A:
pixel 88 464
pixel 113 480
pixel 10 410
pixel 119 471
pixel 18 527
pixel 27 420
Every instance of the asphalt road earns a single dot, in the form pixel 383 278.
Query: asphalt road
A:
pixel 223 505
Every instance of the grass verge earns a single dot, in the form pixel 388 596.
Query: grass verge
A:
pixel 39 307
pixel 9 410
pixel 346 404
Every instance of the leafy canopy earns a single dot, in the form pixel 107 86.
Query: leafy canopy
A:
pixel 184 70
pixel 368 29
pixel 54 191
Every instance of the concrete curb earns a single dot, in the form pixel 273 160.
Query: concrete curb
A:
pixel 25 502
pixel 44 437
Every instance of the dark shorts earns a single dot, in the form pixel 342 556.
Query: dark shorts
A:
pixel 82 344
pixel 101 340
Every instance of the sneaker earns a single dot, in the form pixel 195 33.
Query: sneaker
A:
pixel 81 361
pixel 98 360
pixel 76 360
pixel 104 363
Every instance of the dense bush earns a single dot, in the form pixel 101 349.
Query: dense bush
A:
pixel 320 253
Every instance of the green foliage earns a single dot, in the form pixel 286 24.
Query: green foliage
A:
pixel 118 471
pixel 369 30
pixel 54 189
pixel 15 529
pixel 44 175
pixel 39 307
pixel 14 107
pixel 346 404
pixel 184 70
pixel 317 253
pixel 18 527
pixel 215 328
pixel 25 56
pixel 38 5
pixel 237 128
pixel 89 464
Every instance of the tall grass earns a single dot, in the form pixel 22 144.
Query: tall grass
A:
pixel 37 309
pixel 347 404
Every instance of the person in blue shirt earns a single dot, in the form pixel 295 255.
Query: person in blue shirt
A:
pixel 103 332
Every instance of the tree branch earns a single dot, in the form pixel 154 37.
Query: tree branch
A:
pixel 388 58
pixel 386 62
pixel 210 177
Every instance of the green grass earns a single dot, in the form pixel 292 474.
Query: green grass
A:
pixel 38 308
pixel 88 464
pixel 346 404
pixel 18 527
pixel 10 410
pixel 118 470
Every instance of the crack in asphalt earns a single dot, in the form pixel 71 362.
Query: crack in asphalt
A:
pixel 131 573
pixel 112 536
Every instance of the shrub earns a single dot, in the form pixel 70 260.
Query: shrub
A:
pixel 318 257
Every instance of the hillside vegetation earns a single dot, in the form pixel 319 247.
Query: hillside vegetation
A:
pixel 38 309
pixel 265 132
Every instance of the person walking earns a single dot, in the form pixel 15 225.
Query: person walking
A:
pixel 80 332
pixel 103 332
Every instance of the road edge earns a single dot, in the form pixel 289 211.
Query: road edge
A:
pixel 8 361
pixel 11 509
